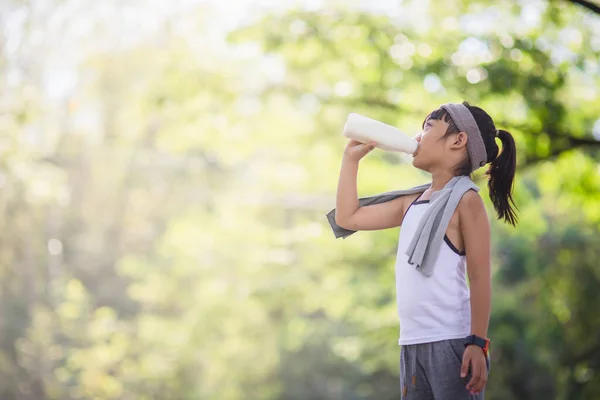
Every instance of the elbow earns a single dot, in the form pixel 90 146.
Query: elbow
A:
pixel 340 221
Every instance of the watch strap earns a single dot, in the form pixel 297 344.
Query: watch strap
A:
pixel 478 341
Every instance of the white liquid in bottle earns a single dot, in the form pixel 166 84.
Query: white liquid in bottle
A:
pixel 365 130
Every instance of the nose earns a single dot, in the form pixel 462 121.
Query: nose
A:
pixel 418 138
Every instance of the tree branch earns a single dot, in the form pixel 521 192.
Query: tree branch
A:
pixel 573 143
pixel 578 142
pixel 587 4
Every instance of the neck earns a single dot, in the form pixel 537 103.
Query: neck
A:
pixel 440 179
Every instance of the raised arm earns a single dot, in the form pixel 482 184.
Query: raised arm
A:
pixel 348 214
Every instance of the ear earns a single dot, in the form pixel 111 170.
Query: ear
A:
pixel 459 140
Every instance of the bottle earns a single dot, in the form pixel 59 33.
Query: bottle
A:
pixel 388 138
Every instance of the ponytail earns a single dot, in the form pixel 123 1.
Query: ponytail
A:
pixel 501 179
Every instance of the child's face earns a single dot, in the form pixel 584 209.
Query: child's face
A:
pixel 431 148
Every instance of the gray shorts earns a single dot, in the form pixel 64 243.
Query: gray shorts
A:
pixel 431 371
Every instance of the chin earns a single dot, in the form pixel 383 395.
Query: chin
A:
pixel 417 164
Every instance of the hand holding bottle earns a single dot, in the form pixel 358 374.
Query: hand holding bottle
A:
pixel 356 150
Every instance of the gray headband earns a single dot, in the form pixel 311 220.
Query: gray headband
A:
pixel 464 121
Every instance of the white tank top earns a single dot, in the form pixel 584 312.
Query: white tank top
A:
pixel 431 308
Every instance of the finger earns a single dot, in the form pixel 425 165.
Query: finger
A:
pixel 367 148
pixel 475 375
pixel 479 387
pixel 479 378
pixel 473 383
pixel 482 382
pixel 353 143
pixel 464 369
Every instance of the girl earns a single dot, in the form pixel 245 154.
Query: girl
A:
pixel 445 235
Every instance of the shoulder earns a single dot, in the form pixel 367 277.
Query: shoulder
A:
pixel 471 205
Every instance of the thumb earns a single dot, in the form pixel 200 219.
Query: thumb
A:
pixel 464 369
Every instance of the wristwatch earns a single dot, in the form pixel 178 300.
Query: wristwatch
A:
pixel 478 341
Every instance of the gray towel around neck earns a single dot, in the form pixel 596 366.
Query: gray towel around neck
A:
pixel 425 245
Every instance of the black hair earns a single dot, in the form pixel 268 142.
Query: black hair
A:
pixel 503 163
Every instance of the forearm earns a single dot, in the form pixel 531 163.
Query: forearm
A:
pixel 481 299
pixel 347 192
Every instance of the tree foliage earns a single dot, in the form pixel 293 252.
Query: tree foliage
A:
pixel 164 181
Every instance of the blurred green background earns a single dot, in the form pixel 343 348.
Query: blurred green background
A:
pixel 165 169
